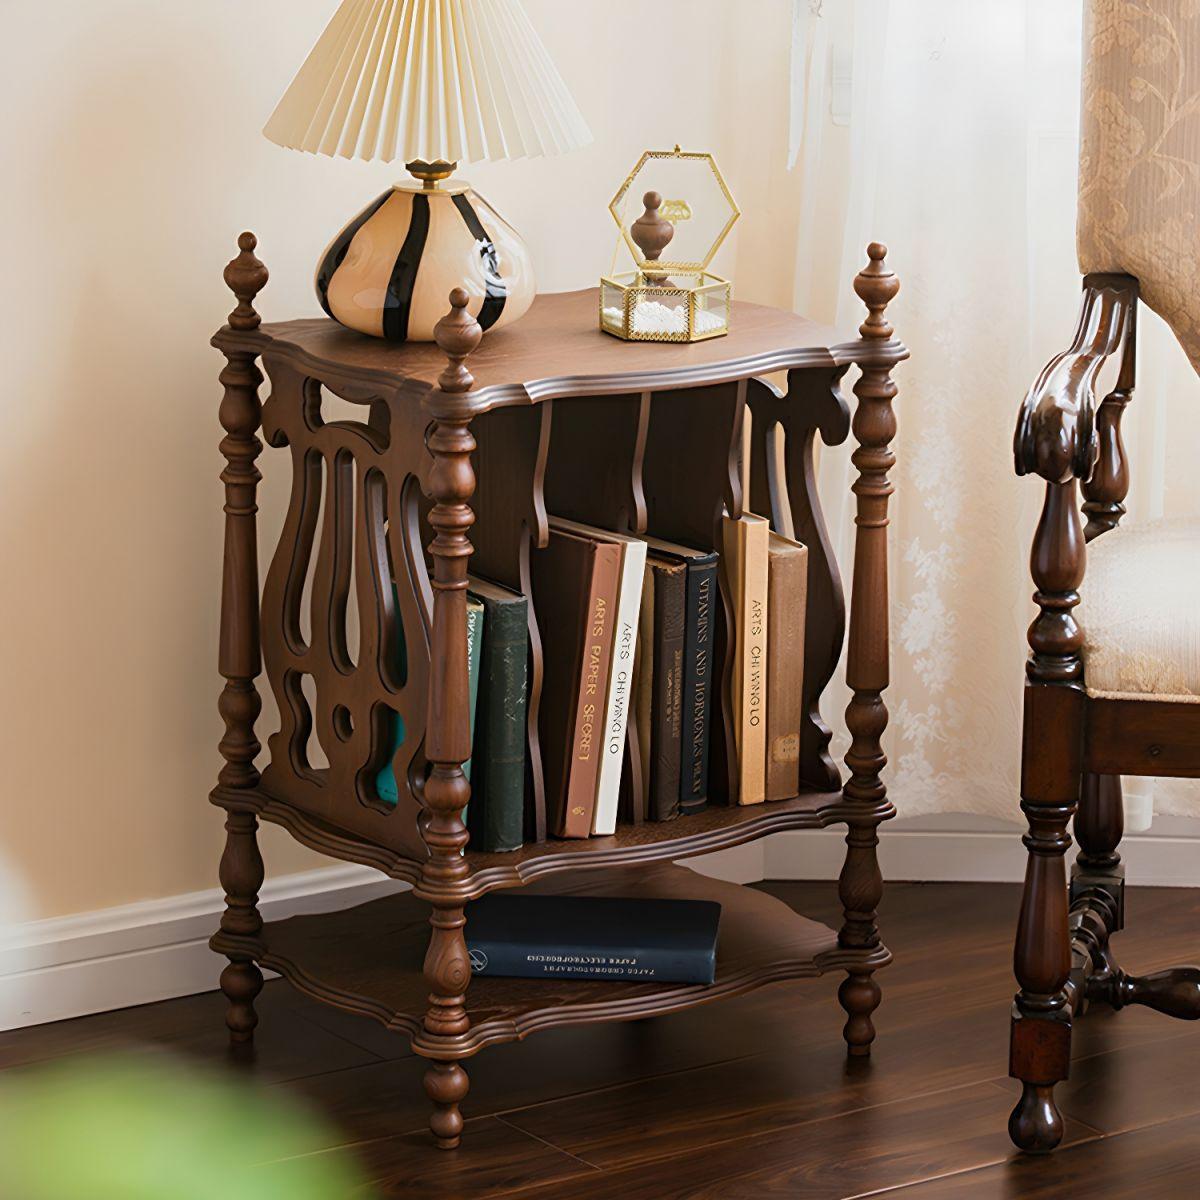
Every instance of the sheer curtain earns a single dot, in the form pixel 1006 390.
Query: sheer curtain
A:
pixel 954 140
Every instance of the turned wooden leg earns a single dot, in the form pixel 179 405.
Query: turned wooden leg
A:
pixel 860 885
pixel 241 877
pixel 446 1086
pixel 239 656
pixel 860 888
pixel 1098 875
pixel 1041 1019
pixel 1051 776
pixel 448 734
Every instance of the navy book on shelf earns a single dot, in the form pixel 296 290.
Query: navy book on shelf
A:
pixel 593 937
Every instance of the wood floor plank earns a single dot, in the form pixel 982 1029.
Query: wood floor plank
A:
pixel 493 1160
pixel 287 1044
pixel 385 1098
pixel 873 1148
pixel 752 1096
pixel 1159 1163
pixel 790 1085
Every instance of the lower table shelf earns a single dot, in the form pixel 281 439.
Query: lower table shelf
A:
pixel 369 959
pixel 718 827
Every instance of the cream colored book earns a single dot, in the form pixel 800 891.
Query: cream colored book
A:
pixel 619 690
pixel 787 596
pixel 744 545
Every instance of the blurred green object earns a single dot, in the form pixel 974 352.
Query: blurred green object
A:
pixel 149 1127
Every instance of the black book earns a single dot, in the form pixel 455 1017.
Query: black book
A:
pixel 496 814
pixel 593 937
pixel 698 674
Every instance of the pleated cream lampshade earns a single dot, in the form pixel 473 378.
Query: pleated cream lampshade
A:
pixel 433 83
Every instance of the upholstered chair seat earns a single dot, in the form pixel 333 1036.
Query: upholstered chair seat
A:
pixel 1140 613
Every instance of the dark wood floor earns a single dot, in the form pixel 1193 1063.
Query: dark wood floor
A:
pixel 751 1097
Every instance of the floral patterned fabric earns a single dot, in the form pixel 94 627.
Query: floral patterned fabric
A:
pixel 1139 166
pixel 1143 643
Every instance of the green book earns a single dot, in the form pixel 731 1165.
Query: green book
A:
pixel 385 781
pixel 497 817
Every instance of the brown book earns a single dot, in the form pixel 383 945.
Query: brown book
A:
pixel 744 558
pixel 666 701
pixel 575 583
pixel 787 598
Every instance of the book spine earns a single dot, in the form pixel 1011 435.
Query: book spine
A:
pixel 697 686
pixel 644 687
pixel 588 741
pixel 635 965
pixel 474 645
pixel 620 689
pixel 500 742
pixel 754 708
pixel 786 602
pixel 666 715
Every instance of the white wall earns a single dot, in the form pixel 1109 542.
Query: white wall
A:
pixel 131 139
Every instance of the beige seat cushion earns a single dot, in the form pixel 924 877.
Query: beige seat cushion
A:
pixel 1139 164
pixel 1140 613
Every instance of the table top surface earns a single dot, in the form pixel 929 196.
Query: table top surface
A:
pixel 557 350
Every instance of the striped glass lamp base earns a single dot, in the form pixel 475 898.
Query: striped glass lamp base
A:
pixel 389 272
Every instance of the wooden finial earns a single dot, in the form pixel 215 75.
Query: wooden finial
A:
pixel 457 334
pixel 651 232
pixel 245 277
pixel 876 287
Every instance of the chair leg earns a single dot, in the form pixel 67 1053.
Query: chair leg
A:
pixel 1041 1016
pixel 1098 875
pixel 1099 826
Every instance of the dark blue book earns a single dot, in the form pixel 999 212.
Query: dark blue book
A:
pixel 593 937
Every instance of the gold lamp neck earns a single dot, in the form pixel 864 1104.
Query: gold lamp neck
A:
pixel 430 173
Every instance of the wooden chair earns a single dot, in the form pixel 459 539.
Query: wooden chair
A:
pixel 1113 686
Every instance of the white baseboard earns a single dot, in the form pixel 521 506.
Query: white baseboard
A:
pixel 971 856
pixel 155 950
pixel 92 962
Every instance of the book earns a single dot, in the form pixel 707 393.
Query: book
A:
pixel 666 686
pixel 593 937
pixel 497 808
pixel 643 686
pixel 744 542
pixel 698 676
pixel 787 598
pixel 618 693
pixel 474 646
pixel 575 594
pixel 385 780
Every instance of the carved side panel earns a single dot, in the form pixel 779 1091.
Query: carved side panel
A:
pixel 813 404
pixel 350 544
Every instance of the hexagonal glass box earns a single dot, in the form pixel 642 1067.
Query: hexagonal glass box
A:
pixel 674 211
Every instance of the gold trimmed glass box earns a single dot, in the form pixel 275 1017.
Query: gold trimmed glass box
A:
pixel 686 307
pixel 674 210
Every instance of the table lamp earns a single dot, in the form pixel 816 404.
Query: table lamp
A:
pixel 434 83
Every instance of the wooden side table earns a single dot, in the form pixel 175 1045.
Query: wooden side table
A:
pixel 466 445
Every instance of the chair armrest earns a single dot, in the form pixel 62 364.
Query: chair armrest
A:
pixel 1056 429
